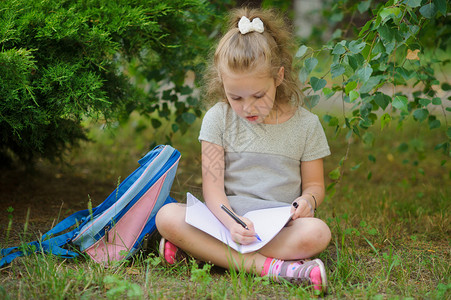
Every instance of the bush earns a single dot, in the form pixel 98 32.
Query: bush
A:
pixel 64 60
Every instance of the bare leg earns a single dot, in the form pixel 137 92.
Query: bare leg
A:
pixel 301 238
pixel 171 224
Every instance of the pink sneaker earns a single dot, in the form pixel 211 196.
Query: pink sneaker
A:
pixel 303 272
pixel 170 253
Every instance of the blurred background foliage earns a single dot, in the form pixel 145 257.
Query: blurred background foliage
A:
pixel 63 62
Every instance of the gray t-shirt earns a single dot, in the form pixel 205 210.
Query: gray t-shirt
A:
pixel 263 161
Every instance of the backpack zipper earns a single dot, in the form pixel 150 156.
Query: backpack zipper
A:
pixel 107 228
pixel 145 242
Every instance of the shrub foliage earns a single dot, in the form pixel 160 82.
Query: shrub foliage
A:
pixel 64 60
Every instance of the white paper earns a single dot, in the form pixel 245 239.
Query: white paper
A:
pixel 267 223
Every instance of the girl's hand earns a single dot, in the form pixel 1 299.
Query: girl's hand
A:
pixel 241 235
pixel 304 208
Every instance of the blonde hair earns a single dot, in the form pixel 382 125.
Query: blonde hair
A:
pixel 239 53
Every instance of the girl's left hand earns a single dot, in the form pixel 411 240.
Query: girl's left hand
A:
pixel 304 208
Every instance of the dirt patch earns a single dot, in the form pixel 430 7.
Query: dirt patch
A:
pixel 48 195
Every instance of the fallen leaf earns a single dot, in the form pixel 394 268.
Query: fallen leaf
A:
pixel 413 55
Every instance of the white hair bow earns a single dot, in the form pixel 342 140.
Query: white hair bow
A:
pixel 246 26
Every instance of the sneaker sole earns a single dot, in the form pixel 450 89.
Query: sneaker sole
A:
pixel 323 274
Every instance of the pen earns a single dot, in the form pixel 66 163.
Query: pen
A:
pixel 238 220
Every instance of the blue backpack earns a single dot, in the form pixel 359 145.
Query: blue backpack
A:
pixel 115 229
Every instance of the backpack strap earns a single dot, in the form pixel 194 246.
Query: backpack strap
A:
pixel 78 217
pixel 9 256
pixel 47 243
pixel 54 245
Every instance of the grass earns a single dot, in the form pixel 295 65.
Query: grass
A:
pixel 388 212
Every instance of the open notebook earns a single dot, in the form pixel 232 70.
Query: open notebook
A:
pixel 267 223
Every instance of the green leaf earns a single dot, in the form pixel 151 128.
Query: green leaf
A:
pixel 353 95
pixel 414 29
pixel 385 120
pixel 356 167
pixel 328 92
pixel 337 16
pixel 390 13
pixel 446 86
pixel 336 35
pixel 441 6
pixel 434 124
pixel 311 101
pixel 337 69
pixel 372 158
pixel 338 49
pixel 389 47
pixel 335 174
pixel 186 90
pixel 189 117
pixel 317 83
pixel 364 73
pixel 386 33
pixel 382 100
pixel 363 6
pixel 378 48
pixel 303 75
pixel 365 27
pixel 420 114
pixel 350 86
pixel 331 121
pixel 428 10
pixel 370 84
pixel 192 101
pixel 155 123
pixel 424 102
pixel 400 102
pixel 448 132
pixel 310 64
pixel 437 101
pixel 368 138
pixel 356 46
pixel 406 74
pixel 301 51
pixel 413 3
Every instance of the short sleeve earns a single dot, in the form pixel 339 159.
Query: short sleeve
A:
pixel 212 129
pixel 316 145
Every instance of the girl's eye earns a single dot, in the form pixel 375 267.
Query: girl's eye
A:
pixel 235 98
pixel 259 96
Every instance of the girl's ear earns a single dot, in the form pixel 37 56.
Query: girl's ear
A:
pixel 280 76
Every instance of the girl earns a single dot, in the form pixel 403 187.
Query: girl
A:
pixel 260 149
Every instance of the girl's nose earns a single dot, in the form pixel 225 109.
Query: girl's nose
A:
pixel 248 105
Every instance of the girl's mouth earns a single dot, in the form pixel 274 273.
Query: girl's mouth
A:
pixel 252 118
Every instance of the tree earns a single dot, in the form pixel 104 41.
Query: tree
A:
pixel 384 69
pixel 62 61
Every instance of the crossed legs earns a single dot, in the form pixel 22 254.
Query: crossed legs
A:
pixel 301 238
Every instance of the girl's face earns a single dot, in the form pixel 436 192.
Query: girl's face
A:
pixel 252 95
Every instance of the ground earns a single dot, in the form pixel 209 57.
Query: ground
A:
pixel 48 195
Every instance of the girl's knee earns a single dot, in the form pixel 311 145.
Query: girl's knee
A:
pixel 321 234
pixel 316 236
pixel 168 216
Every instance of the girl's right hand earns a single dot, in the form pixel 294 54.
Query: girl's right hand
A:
pixel 241 235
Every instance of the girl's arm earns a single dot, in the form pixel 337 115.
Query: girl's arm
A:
pixel 214 195
pixel 312 175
